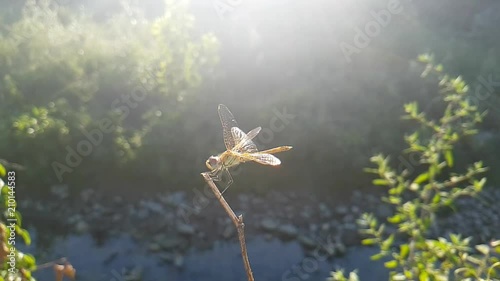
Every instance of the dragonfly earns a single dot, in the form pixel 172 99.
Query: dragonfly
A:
pixel 239 149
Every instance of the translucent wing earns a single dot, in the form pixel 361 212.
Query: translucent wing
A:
pixel 262 158
pixel 227 120
pixel 253 133
pixel 244 141
pixel 265 157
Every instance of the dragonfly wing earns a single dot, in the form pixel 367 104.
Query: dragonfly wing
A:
pixel 262 158
pixel 244 143
pixel 253 133
pixel 227 120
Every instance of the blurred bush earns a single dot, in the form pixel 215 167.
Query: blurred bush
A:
pixel 76 93
pixel 64 74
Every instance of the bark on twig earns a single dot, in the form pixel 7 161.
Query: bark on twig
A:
pixel 237 221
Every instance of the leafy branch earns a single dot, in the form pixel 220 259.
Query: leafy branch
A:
pixel 417 198
pixel 14 264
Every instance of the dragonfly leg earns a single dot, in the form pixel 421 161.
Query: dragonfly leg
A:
pixel 229 181
pixel 215 175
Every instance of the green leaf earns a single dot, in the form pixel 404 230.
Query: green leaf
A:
pixel 5 191
pixel 391 264
pixel 474 260
pixel 478 185
pixel 404 250
pixel 483 249
pixel 19 218
pixel 491 269
pixel 394 200
pixel 395 219
pixel 448 202
pixel 380 182
pixel 398 277
pixel 369 241
pixel 377 257
pixel 425 58
pixel 448 155
pixel 393 191
pixel 381 229
pixel 24 234
pixel 27 238
pixel 424 276
pixel 3 172
pixel 387 243
pixel 370 170
pixel 412 108
pixel 421 178
pixel 436 198
pixel 455 239
pixel 29 261
pixel 432 171
pixel 426 222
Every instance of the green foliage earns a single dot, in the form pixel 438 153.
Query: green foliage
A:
pixel 417 198
pixel 63 73
pixel 339 276
pixel 14 263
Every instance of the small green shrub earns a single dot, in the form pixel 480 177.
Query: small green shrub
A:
pixel 15 265
pixel 417 198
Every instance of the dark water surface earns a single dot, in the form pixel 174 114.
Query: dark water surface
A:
pixel 270 260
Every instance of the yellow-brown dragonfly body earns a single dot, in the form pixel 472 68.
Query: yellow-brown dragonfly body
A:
pixel 240 148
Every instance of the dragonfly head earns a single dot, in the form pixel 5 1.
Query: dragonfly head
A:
pixel 213 162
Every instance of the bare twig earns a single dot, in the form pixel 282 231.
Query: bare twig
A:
pixel 50 264
pixel 237 221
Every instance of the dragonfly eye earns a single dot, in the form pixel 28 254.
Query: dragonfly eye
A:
pixel 212 162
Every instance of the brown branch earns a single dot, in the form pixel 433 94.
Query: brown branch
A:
pixel 51 263
pixel 237 221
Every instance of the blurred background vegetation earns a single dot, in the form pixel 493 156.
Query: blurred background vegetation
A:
pixel 68 66
pixel 121 97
